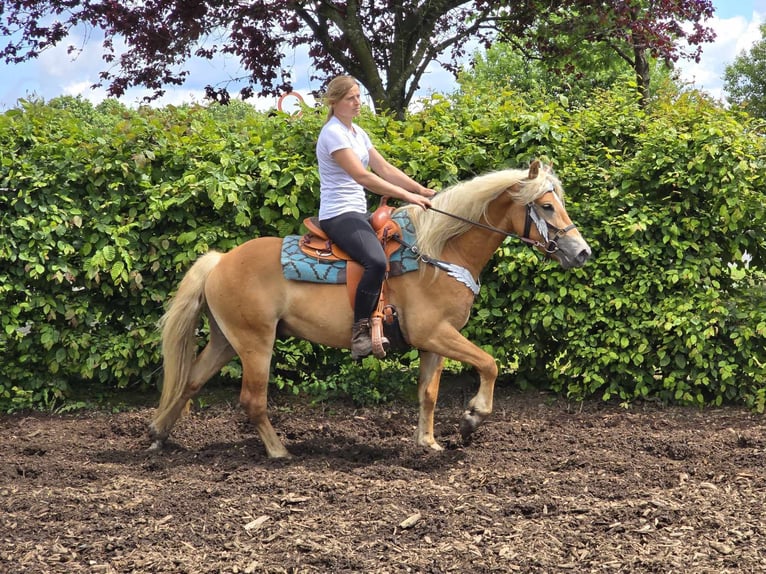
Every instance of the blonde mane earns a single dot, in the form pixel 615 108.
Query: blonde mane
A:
pixel 470 199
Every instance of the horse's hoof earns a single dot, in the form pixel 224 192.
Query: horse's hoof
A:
pixel 284 457
pixel 430 445
pixel 156 446
pixel 281 453
pixel 468 425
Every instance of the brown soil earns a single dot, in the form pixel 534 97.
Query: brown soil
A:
pixel 545 486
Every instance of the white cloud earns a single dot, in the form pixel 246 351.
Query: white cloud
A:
pixel 83 88
pixel 85 57
pixel 733 36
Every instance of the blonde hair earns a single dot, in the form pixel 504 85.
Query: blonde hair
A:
pixel 336 90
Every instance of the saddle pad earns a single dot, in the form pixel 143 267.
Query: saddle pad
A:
pixel 301 267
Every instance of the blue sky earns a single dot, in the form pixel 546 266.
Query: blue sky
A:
pixel 55 72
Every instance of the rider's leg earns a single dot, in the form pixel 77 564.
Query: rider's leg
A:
pixel 353 233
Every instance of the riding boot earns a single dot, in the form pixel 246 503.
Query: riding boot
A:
pixel 361 341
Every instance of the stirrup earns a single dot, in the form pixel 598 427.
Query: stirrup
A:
pixel 380 343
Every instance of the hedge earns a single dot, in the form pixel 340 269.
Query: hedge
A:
pixel 104 208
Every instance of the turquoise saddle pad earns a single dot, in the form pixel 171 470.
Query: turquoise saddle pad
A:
pixel 298 266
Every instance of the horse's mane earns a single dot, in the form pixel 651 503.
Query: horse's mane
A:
pixel 469 199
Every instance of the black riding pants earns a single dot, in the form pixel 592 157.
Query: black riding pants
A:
pixel 353 233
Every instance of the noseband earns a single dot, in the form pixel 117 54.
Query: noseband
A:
pixel 551 244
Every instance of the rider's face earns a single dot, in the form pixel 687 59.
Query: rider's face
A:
pixel 349 105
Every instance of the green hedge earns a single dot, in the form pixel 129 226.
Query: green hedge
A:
pixel 670 199
pixel 104 208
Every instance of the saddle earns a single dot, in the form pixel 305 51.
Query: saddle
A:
pixel 316 244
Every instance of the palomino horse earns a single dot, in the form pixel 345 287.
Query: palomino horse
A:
pixel 249 303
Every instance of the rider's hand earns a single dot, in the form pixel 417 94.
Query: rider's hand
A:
pixel 420 200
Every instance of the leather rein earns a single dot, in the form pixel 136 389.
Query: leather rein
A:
pixel 551 245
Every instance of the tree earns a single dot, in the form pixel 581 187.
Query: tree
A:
pixel 502 67
pixel 635 30
pixel 386 44
pixel 745 79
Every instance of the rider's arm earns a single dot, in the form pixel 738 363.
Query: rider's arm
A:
pixel 350 163
pixel 393 174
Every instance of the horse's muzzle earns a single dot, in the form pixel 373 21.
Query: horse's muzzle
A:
pixel 582 257
pixel 573 252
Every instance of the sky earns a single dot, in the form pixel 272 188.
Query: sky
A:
pixel 55 72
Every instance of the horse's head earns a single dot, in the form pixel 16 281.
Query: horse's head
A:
pixel 511 202
pixel 547 225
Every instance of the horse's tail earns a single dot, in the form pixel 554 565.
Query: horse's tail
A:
pixel 178 330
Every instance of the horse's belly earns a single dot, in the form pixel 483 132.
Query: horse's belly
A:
pixel 317 312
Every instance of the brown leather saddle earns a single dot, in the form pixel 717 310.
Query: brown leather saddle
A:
pixel 316 244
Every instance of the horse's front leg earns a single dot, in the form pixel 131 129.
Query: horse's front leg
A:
pixel 428 392
pixel 453 345
pixel 480 406
pixel 448 342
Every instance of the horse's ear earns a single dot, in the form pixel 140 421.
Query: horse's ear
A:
pixel 534 169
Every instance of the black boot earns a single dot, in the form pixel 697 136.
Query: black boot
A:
pixel 361 342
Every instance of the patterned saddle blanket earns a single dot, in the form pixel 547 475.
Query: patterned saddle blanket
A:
pixel 299 266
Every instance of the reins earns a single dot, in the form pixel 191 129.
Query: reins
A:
pixel 551 247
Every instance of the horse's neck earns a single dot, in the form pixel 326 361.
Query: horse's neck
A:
pixel 474 248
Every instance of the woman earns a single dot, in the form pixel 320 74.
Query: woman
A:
pixel 344 152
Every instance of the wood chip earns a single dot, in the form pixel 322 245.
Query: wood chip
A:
pixel 410 521
pixel 257 523
pixel 721 547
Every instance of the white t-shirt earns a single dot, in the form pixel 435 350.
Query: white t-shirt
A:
pixel 338 192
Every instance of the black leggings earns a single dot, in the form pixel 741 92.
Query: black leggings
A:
pixel 353 233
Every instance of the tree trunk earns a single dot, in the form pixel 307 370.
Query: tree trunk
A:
pixel 641 67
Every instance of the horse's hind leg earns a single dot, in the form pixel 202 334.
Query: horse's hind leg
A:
pixel 256 364
pixel 212 359
pixel 429 378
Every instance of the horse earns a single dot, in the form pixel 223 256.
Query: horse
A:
pixel 249 303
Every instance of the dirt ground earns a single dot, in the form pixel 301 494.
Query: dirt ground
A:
pixel 545 486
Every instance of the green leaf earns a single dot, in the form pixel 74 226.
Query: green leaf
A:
pixel 108 253
pixel 118 269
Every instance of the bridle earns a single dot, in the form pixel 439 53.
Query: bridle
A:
pixel 551 244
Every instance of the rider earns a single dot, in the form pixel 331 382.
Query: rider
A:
pixel 344 151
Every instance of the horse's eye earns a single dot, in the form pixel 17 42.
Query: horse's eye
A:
pixel 548 206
